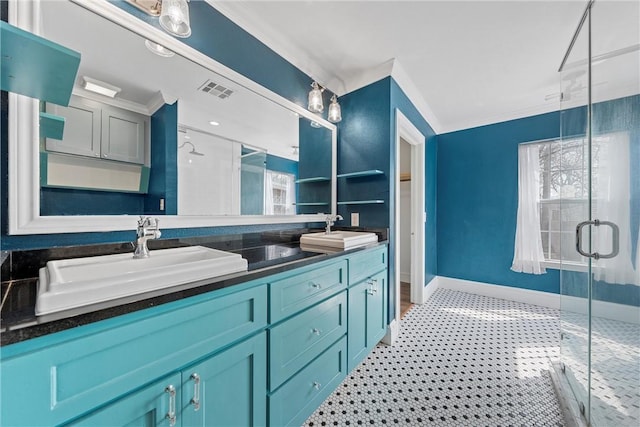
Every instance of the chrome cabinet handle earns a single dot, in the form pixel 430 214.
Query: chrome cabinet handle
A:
pixel 595 255
pixel 171 415
pixel 316 331
pixel 317 385
pixel 315 285
pixel 374 286
pixel 195 400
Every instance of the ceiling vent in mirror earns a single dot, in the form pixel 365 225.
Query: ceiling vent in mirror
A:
pixel 215 89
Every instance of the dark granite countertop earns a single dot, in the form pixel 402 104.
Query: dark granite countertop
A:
pixel 267 253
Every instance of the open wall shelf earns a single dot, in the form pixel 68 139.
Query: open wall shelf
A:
pixel 36 67
pixel 362 202
pixel 313 179
pixel 371 172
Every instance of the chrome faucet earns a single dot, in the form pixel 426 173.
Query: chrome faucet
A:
pixel 147 229
pixel 330 219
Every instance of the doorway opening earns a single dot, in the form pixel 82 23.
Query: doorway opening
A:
pixel 404 238
pixel 414 219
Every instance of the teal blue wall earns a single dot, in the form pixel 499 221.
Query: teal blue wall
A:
pixel 281 164
pixel 477 199
pixel 477 196
pixel 367 141
pixel 400 101
pixel 163 177
pixel 364 142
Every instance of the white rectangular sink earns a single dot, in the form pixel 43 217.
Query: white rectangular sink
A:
pixel 79 282
pixel 339 239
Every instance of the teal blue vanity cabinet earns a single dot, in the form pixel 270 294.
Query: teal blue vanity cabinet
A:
pixel 227 389
pixel 264 352
pixel 151 406
pixel 367 303
pixel 65 376
pixel 307 340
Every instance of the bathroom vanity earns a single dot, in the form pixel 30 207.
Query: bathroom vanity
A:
pixel 264 347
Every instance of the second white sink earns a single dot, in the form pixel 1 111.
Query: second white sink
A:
pixel 78 282
pixel 339 239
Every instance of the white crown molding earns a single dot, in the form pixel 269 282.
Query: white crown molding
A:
pixel 415 96
pixel 298 57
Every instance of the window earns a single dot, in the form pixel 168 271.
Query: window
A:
pixel 564 195
pixel 280 193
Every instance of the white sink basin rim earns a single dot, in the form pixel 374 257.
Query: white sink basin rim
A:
pixel 79 282
pixel 339 239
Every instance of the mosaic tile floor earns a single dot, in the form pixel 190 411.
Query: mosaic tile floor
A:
pixel 461 360
pixel 615 379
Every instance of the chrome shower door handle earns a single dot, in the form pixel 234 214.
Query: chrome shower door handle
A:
pixel 595 255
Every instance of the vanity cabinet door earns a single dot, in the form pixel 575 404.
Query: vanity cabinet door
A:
pixel 123 135
pixel 81 129
pixel 229 388
pixel 153 406
pixel 367 316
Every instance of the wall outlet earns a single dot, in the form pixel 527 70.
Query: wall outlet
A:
pixel 161 204
pixel 355 219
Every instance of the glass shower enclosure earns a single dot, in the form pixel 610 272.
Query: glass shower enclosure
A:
pixel 600 214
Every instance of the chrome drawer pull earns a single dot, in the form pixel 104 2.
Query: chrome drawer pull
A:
pixel 171 415
pixel 316 331
pixel 315 285
pixel 317 385
pixel 195 401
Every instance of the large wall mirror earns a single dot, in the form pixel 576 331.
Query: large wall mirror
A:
pixel 184 138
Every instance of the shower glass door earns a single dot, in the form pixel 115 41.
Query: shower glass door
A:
pixel 600 278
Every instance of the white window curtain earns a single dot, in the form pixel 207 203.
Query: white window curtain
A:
pixel 291 196
pixel 528 255
pixel 612 191
pixel 268 194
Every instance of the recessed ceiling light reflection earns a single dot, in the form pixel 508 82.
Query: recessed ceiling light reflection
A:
pixel 158 49
pixel 214 123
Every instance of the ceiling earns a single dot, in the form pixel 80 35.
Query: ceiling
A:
pixel 463 63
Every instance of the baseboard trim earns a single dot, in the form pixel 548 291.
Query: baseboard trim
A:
pixel 405 277
pixel 393 331
pixel 607 310
pixel 544 299
pixel 430 288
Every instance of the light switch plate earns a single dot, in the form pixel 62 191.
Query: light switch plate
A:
pixel 355 219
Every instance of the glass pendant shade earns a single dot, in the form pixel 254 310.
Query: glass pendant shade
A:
pixel 175 17
pixel 335 114
pixel 158 49
pixel 315 99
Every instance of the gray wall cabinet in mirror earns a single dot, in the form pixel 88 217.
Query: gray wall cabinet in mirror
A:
pixel 263 164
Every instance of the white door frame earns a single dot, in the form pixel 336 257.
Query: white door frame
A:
pixel 408 132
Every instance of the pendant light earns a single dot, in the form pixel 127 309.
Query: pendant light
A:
pixel 315 98
pixel 335 115
pixel 174 17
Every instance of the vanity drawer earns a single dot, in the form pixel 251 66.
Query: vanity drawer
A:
pixel 296 400
pixel 367 263
pixel 295 293
pixel 300 339
pixel 85 368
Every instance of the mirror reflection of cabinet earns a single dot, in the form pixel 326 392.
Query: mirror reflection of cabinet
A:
pixel 98 130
